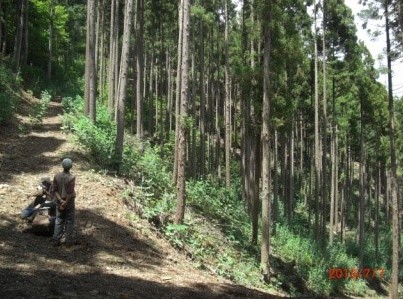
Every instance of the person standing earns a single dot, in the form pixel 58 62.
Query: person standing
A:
pixel 63 189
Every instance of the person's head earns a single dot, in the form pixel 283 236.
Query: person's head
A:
pixel 45 182
pixel 67 164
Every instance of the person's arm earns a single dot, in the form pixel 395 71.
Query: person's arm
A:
pixel 70 194
pixel 54 191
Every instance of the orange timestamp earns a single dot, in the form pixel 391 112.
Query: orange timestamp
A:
pixel 353 273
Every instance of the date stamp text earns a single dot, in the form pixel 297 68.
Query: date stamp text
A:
pixel 353 273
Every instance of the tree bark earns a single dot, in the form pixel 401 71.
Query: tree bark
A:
pixel 184 90
pixel 394 285
pixel 139 67
pixel 18 35
pixel 178 91
pixel 227 103
pixel 202 103
pixel 120 115
pixel 318 176
pixel 266 169
pixel 113 45
pixel 361 222
pixel 90 64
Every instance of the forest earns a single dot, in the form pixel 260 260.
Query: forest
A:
pixel 254 135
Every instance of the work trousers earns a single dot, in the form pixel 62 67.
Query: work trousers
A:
pixel 64 223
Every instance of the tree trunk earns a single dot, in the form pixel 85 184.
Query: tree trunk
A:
pixel 227 103
pixel 178 91
pixel 120 115
pixel 139 67
pixel 18 35
pixel 3 30
pixel 253 198
pixel 266 169
pixel 25 53
pixel 202 102
pixel 184 90
pixel 91 63
pixel 394 286
pixel 318 176
pixel 362 192
pixel 324 131
pixel 113 44
pixel 51 35
pixel 101 50
pixel 291 172
pixel 275 189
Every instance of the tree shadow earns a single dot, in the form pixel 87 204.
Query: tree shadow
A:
pixel 31 268
pixel 53 284
pixel 27 155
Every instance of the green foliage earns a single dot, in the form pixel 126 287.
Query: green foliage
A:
pixel 97 138
pixel 313 264
pixel 176 233
pixel 6 107
pixel 40 108
pixel 8 98
pixel 153 171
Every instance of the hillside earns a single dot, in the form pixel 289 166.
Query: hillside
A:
pixel 114 257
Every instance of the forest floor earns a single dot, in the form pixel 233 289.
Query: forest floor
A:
pixel 114 257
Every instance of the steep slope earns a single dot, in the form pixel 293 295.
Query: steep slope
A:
pixel 115 257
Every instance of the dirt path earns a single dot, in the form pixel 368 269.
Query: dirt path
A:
pixel 115 257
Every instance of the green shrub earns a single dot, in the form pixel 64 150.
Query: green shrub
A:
pixel 154 172
pixel 6 107
pixel 318 281
pixel 40 108
pixel 313 264
pixel 99 142
pixel 9 84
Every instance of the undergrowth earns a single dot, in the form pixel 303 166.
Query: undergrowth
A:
pixel 40 108
pixel 9 84
pixel 216 232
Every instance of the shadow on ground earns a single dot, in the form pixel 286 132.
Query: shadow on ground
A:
pixel 31 268
pixel 23 151
pixel 103 285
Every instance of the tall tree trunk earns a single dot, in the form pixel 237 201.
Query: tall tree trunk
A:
pixel 266 169
pixel 275 173
pixel 184 90
pixel 318 176
pixel 376 220
pixel 202 102
pixel 217 130
pixel 51 36
pixel 26 40
pixel 253 195
pixel 18 35
pixel 362 191
pixel 113 45
pixel 393 175
pixel 192 152
pixel 324 130
pixel 227 103
pixel 3 30
pixel 178 91
pixel 91 75
pixel 120 115
pixel 101 50
pixel 291 171
pixel 400 12
pixel 139 67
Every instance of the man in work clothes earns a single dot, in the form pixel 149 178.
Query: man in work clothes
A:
pixel 64 193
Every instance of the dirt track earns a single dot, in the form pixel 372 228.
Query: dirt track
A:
pixel 115 257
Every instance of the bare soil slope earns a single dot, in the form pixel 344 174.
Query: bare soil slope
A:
pixel 114 257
